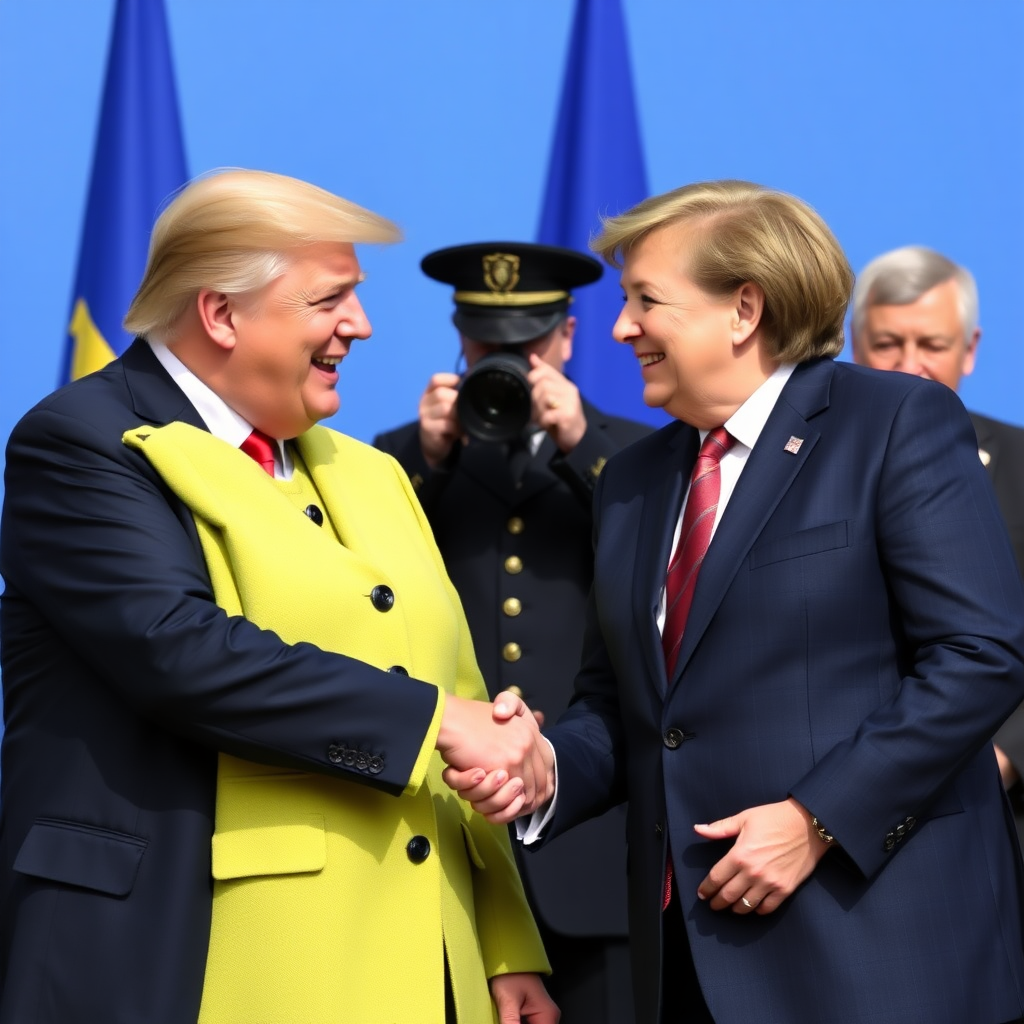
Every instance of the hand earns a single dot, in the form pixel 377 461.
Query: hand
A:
pixel 479 741
pixel 496 794
pixel 439 424
pixel 522 997
pixel 557 407
pixel 1007 772
pixel 775 850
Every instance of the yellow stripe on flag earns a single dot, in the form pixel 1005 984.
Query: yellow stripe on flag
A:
pixel 91 351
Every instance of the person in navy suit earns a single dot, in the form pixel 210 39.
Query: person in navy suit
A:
pixel 915 310
pixel 817 830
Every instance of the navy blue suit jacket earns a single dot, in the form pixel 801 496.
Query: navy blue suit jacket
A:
pixel 122 679
pixel 855 639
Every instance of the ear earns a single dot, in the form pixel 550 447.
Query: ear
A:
pixel 568 333
pixel 748 305
pixel 216 314
pixel 970 353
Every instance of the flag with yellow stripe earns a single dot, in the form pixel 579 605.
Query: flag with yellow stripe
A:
pixel 139 161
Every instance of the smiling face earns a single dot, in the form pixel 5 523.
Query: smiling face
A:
pixel 925 338
pixel 699 354
pixel 286 342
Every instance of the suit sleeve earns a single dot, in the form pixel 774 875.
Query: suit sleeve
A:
pixel 92 539
pixel 958 619
pixel 588 738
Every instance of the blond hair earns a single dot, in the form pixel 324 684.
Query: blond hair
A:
pixel 233 231
pixel 747 233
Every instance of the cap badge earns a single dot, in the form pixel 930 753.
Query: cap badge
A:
pixel 793 445
pixel 501 271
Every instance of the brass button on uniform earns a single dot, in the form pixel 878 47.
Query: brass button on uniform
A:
pixel 515 691
pixel 511 606
pixel 515 525
pixel 513 565
pixel 512 651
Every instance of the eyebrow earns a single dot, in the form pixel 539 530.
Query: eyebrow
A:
pixel 329 288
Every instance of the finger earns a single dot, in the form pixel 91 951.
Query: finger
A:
pixel 507 705
pixel 516 808
pixel 748 903
pixel 538 716
pixel 443 380
pixel 493 800
pixel 463 781
pixel 724 828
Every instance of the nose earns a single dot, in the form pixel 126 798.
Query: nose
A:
pixel 911 362
pixel 353 322
pixel 625 329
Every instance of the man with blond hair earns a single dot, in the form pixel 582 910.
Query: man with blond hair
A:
pixel 805 626
pixel 232 665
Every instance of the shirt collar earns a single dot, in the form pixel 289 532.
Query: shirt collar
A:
pixel 747 422
pixel 221 420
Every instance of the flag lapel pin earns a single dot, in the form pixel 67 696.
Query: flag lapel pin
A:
pixel 793 445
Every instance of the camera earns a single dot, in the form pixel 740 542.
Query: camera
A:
pixel 494 401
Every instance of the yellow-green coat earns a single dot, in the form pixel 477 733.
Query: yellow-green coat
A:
pixel 320 915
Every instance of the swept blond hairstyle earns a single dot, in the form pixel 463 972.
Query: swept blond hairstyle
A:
pixel 747 233
pixel 233 231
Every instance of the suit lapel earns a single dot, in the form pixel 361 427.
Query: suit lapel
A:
pixel 662 502
pixel 769 472
pixel 154 395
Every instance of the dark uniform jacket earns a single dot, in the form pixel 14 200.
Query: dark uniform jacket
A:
pixel 1001 447
pixel 520 555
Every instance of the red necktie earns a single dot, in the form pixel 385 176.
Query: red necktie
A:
pixel 683 569
pixel 260 448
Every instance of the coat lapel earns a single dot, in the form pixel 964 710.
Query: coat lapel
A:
pixel 662 503
pixel 154 395
pixel 770 471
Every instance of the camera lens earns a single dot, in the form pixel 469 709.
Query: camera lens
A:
pixel 494 397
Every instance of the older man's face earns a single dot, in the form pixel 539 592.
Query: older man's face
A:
pixel 291 338
pixel 925 338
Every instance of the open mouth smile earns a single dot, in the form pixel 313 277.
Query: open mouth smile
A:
pixel 650 358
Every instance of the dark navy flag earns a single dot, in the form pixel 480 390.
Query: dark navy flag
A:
pixel 597 168
pixel 138 163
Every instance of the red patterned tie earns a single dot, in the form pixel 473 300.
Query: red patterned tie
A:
pixel 260 448
pixel 694 538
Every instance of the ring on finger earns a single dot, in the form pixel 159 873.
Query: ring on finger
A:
pixel 748 904
pixel 552 403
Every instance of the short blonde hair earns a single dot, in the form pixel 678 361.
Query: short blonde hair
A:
pixel 748 233
pixel 232 231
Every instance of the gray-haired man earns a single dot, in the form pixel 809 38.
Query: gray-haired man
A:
pixel 917 311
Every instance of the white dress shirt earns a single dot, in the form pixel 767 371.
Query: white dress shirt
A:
pixel 221 420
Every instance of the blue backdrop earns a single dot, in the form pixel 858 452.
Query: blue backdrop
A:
pixel 901 122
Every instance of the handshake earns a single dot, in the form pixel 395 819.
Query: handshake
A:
pixel 497 759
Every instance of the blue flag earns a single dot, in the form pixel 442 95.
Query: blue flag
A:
pixel 597 168
pixel 138 163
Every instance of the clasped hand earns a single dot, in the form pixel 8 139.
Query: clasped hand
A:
pixel 497 759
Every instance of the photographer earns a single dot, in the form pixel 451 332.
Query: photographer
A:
pixel 504 460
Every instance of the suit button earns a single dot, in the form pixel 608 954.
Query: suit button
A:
pixel 512 651
pixel 335 753
pixel 512 606
pixel 657 828
pixel 314 514
pixel 418 849
pixel 515 691
pixel 383 598
pixel 515 525
pixel 399 670
pixel 513 565
pixel 674 738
